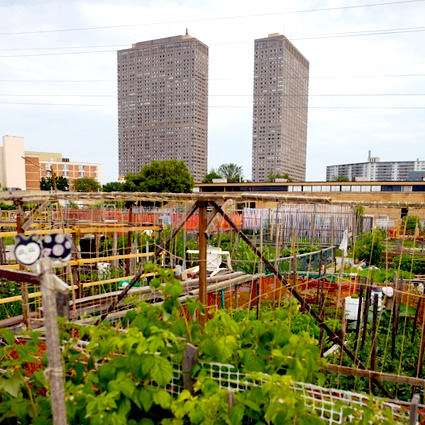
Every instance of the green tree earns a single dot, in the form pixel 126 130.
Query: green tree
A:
pixel 370 247
pixel 86 184
pixel 340 178
pixel 210 176
pixel 170 176
pixel 272 176
pixel 61 183
pixel 113 187
pixel 409 223
pixel 232 172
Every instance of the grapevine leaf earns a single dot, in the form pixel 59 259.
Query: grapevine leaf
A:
pixel 252 405
pixel 107 372
pixel 155 283
pixel 168 305
pixel 124 408
pixel 210 387
pixel 179 327
pixel 173 289
pixel 280 419
pixel 237 414
pixel 225 347
pixel 149 267
pixel 196 416
pixel 191 306
pixel 145 397
pixel 8 336
pixel 127 387
pixel 162 371
pixel 253 362
pixel 162 398
pixel 208 347
pixel 147 364
pixel 11 385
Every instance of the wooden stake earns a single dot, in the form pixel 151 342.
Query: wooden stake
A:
pixel 294 258
pixel 24 285
pixel 190 358
pixel 415 321
pixel 359 315
pixel 374 335
pixel 114 263
pixel 366 310
pixel 396 312
pixel 54 371
pixel 322 316
pixel 414 407
pixel 130 219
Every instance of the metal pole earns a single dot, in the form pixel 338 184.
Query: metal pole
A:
pixel 54 371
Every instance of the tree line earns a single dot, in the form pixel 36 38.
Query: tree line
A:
pixel 169 176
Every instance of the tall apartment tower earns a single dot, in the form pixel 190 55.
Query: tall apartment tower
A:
pixel 279 140
pixel 163 104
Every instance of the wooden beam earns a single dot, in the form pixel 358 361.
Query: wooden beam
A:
pixel 228 284
pixel 371 374
pixel 32 215
pixel 86 230
pixel 83 261
pixel 214 221
pixel 19 276
pixel 176 229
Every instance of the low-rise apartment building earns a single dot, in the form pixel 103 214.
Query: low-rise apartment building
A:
pixel 20 169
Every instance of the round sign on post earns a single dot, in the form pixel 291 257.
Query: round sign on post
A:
pixel 27 249
pixel 58 247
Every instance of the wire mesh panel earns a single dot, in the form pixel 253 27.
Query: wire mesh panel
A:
pixel 329 404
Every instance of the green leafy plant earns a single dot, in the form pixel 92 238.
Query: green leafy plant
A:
pixel 410 223
pixel 123 373
pixel 370 247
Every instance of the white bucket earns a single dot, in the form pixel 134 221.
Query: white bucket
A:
pixel 351 308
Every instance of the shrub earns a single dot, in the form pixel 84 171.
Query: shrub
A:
pixel 410 263
pixel 370 247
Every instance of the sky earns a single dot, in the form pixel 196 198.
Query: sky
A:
pixel 58 73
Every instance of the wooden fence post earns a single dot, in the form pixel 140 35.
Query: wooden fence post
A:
pixel 230 398
pixel 359 313
pixel 374 335
pixel 414 407
pixel 366 309
pixel 190 358
pixel 54 370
